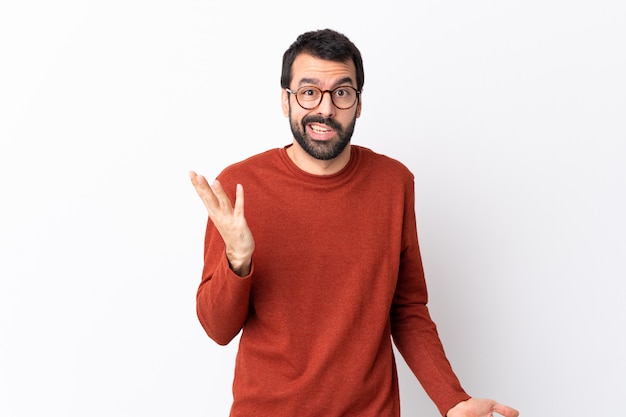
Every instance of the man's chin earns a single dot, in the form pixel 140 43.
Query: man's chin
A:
pixel 324 150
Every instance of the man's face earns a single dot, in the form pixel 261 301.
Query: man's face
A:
pixel 324 131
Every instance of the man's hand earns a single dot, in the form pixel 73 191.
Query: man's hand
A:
pixel 481 407
pixel 229 221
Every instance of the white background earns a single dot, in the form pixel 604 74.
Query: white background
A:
pixel 511 114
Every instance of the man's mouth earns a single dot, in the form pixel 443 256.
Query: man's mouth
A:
pixel 320 129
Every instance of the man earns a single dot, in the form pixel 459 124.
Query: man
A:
pixel 323 269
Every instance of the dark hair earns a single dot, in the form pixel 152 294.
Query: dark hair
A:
pixel 325 44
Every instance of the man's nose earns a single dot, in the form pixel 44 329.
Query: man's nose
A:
pixel 326 107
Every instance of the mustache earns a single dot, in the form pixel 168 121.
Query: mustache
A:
pixel 316 118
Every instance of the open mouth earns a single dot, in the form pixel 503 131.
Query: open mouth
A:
pixel 320 132
pixel 320 129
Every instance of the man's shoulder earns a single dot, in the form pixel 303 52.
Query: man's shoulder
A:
pixel 382 161
pixel 253 162
pixel 258 158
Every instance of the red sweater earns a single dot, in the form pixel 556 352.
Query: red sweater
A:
pixel 336 274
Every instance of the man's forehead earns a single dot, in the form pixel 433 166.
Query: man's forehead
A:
pixel 308 69
pixel 317 81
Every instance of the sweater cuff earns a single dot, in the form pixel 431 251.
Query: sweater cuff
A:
pixel 449 403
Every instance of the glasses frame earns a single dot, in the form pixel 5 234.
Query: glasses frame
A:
pixel 295 94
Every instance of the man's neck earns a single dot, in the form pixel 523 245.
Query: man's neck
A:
pixel 315 166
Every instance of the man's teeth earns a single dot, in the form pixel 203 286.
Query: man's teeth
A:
pixel 319 129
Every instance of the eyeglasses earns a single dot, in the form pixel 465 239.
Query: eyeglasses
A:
pixel 309 96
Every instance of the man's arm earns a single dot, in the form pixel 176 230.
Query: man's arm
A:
pixel 417 339
pixel 223 295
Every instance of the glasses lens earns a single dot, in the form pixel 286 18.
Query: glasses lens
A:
pixel 310 97
pixel 344 97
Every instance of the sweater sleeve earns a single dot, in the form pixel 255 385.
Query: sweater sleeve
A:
pixel 222 298
pixel 414 332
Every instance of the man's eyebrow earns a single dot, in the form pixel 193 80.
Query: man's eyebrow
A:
pixel 315 81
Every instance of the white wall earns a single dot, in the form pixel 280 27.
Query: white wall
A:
pixel 510 114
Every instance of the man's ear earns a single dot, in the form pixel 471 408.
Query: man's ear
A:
pixel 358 108
pixel 285 102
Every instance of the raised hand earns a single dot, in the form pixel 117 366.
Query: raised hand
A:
pixel 229 221
pixel 481 407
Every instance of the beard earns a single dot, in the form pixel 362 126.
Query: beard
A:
pixel 323 150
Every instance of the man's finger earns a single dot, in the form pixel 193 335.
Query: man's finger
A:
pixel 221 196
pixel 204 190
pixel 198 181
pixel 505 410
pixel 238 212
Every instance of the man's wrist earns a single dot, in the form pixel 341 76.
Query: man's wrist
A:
pixel 240 263
pixel 240 267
